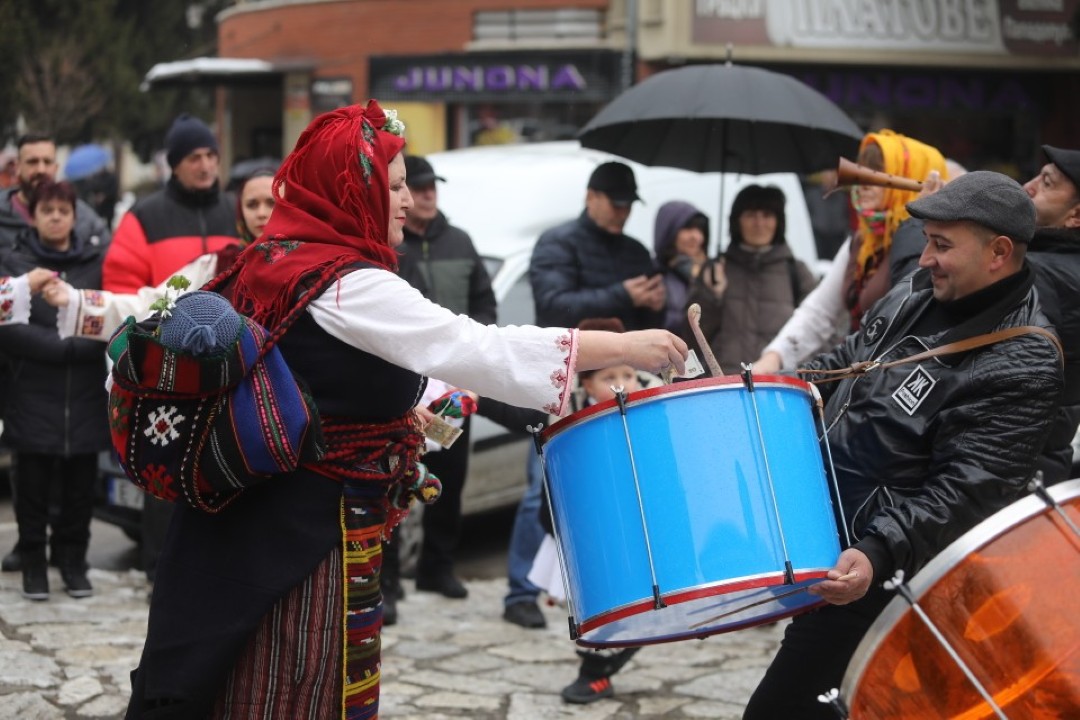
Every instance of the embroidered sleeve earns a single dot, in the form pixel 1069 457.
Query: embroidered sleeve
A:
pixel 14 300
pixel 567 344
pixel 378 312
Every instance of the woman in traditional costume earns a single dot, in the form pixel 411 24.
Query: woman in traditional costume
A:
pixel 272 608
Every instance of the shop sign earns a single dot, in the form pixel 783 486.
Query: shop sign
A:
pixel 855 90
pixel 496 76
pixel 1005 27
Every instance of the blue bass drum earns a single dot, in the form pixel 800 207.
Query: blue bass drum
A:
pixel 689 510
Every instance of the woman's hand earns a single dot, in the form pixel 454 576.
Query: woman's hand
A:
pixel 56 292
pixel 714 278
pixel 655 351
pixel 768 363
pixel 423 416
pixel 848 581
pixel 38 277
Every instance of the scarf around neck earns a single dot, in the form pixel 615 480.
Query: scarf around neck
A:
pixel 332 210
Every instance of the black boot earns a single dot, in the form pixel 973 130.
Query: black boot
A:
pixel 75 581
pixel 35 581
pixel 12 562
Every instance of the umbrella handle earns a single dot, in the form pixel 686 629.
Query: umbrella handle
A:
pixel 693 314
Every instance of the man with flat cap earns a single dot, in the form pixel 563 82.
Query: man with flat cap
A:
pixel 1054 254
pixel 925 450
pixel 588 268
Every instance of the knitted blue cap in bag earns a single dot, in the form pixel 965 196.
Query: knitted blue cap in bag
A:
pixel 201 323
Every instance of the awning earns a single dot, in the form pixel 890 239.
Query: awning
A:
pixel 217 71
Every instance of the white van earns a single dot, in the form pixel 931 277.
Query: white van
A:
pixel 506 196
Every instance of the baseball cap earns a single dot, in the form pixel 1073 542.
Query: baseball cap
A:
pixel 616 180
pixel 419 173
pixel 1068 161
pixel 990 199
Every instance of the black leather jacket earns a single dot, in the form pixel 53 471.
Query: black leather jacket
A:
pixel 926 450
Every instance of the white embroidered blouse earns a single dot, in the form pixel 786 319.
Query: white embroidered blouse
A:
pixel 378 312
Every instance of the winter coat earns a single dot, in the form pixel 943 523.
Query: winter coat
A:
pixel 56 401
pixel 164 232
pixel 1054 254
pixel 924 451
pixel 763 290
pixel 670 219
pixel 444 265
pixel 88 224
pixel 577 272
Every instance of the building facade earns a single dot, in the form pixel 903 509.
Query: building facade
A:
pixel 987 81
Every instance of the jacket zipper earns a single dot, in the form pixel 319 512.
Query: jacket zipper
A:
pixel 202 229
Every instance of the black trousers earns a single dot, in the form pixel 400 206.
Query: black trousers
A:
pixel 442 519
pixel 35 476
pixel 812 660
pixel 156 515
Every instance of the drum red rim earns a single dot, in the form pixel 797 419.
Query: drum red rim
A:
pixel 639 396
pixel 681 596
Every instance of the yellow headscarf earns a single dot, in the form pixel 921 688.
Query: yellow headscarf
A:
pixel 905 157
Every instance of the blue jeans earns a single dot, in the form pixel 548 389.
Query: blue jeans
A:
pixel 526 536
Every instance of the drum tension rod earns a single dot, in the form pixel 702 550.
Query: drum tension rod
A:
pixel 897 583
pixel 620 398
pixel 1036 486
pixel 833 698
pixel 748 381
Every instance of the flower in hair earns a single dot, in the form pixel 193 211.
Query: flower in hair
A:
pixel 393 125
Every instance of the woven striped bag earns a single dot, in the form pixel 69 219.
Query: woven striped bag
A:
pixel 202 429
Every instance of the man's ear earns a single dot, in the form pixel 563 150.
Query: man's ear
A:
pixel 1002 250
pixel 1072 218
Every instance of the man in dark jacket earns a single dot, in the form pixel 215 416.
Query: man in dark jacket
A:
pixel 925 451
pixel 441 261
pixel 35 161
pixel 56 420
pixel 588 268
pixel 1054 254
pixel 162 233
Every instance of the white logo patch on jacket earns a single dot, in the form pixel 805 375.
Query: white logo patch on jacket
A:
pixel 911 393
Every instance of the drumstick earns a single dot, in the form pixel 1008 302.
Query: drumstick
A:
pixel 693 314
pixel 849 576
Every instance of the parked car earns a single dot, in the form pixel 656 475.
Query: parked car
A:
pixel 505 197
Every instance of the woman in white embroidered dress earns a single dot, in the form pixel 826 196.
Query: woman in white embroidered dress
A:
pixel 15 294
pixel 272 608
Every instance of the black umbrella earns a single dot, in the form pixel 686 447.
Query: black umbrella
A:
pixel 724 118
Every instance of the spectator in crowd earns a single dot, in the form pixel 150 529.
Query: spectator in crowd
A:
pixel 164 231
pixel 35 162
pixel 441 261
pixel 588 267
pixel 55 420
pixel 680 240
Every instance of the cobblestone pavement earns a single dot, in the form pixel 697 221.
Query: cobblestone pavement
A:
pixel 68 658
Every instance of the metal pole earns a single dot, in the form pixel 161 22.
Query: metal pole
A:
pixel 630 47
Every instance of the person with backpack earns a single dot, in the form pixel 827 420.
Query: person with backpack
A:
pixel 748 294
pixel 273 606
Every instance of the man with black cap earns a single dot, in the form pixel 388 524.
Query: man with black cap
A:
pixel 441 261
pixel 162 233
pixel 187 218
pixel 925 450
pixel 1054 254
pixel 588 268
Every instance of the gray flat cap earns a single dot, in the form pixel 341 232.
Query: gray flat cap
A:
pixel 995 201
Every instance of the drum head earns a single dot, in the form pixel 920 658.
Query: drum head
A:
pixel 1005 597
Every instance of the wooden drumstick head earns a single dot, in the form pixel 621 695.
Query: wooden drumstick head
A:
pixel 693 314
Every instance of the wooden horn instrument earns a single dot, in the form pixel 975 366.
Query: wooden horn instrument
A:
pixel 850 173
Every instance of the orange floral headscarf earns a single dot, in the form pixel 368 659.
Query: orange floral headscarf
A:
pixel 905 157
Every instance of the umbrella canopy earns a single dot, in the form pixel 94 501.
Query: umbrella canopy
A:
pixel 85 160
pixel 724 118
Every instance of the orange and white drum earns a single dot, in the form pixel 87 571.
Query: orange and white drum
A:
pixel 991 626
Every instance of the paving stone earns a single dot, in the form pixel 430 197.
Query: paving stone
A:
pixel 79 690
pixel 458 701
pixel 28 706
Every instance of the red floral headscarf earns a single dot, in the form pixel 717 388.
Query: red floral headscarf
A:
pixel 332 210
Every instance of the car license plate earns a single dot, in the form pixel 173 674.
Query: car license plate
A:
pixel 124 493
